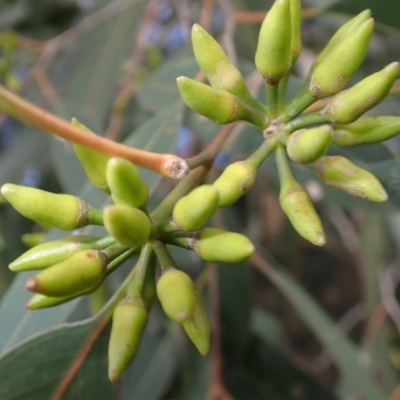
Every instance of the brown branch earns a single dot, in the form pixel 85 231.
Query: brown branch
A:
pixel 165 164
pixel 79 359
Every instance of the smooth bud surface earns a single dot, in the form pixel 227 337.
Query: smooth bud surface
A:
pixel 125 183
pixel 93 162
pixel 197 326
pixel 176 294
pixel 341 173
pixel 130 226
pixel 341 33
pixel 366 130
pixel 192 211
pixel 128 324
pixel 61 211
pixel 220 71
pixel 274 53
pixel 297 205
pixel 217 105
pixel 237 179
pixel 348 105
pixel 307 145
pixel 332 74
pixel 40 301
pixel 47 254
pixel 295 18
pixel 83 270
pixel 216 245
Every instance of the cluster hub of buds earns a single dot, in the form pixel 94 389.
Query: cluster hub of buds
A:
pixel 294 134
pixel 77 265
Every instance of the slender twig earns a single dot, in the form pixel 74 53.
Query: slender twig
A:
pixel 207 11
pixel 388 283
pixel 165 164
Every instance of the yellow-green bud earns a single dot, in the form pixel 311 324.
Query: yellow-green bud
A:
pixel 192 211
pixel 216 245
pixel 295 18
pixel 126 185
pixel 220 71
pixel 33 239
pixel 40 301
pixel 348 105
pixel 234 182
pixel 218 105
pixel 274 53
pixel 341 33
pixel 61 211
pixel 332 74
pixel 85 269
pixel 93 162
pixel 47 254
pixel 296 203
pixel 341 173
pixel 128 324
pixel 176 294
pixel 366 130
pixel 130 226
pixel 197 326
pixel 307 145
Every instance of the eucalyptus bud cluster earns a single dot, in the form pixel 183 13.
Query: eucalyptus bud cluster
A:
pixel 77 265
pixel 288 129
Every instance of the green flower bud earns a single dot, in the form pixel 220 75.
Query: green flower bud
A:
pixel 85 269
pixel 61 211
pixel 220 72
pixel 341 33
pixel 130 226
pixel 126 185
pixel 348 105
pixel 216 245
pixel 192 211
pixel 341 173
pixel 307 145
pixel 176 294
pixel 296 203
pixel 197 326
pixel 218 105
pixel 234 182
pixel 274 53
pixel 128 325
pixel 33 239
pixel 295 18
pixel 93 162
pixel 366 130
pixel 332 74
pixel 47 254
pixel 40 301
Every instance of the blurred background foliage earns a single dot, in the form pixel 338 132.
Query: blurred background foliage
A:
pixel 299 322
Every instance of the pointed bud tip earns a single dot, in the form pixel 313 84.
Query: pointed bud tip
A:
pixel 113 376
pixel 31 284
pixel 321 240
pixel 383 197
pixel 13 267
pixel 6 189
